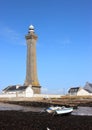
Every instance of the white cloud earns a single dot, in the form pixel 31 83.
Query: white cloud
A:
pixel 63 42
pixel 9 33
pixel 11 36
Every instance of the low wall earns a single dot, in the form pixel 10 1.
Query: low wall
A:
pixel 24 95
pixel 11 95
pixel 47 96
pixel 7 95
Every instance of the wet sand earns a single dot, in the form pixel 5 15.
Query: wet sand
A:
pixel 17 120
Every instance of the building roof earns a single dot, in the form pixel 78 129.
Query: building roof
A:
pixel 88 87
pixel 15 88
pixel 74 89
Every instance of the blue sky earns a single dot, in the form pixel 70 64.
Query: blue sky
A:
pixel 64 46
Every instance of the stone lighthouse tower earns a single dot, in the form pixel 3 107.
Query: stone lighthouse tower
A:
pixel 31 70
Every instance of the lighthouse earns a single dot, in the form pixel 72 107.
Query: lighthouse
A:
pixel 31 65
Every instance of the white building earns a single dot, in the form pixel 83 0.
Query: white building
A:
pixel 79 91
pixel 17 91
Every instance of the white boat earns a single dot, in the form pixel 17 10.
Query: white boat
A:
pixel 64 110
pixel 59 110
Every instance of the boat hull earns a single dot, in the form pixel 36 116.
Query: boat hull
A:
pixel 59 110
pixel 64 111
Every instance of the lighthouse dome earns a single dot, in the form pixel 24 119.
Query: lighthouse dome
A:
pixel 31 27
